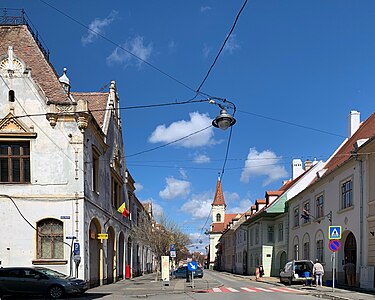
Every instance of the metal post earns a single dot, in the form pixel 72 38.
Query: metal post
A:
pixel 333 272
pixel 192 279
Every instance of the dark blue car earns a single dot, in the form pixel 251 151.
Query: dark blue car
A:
pixel 181 272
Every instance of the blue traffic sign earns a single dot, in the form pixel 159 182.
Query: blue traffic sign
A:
pixel 334 232
pixel 192 266
pixel 334 245
pixel 76 249
pixel 172 247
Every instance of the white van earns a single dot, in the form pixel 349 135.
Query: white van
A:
pixel 297 271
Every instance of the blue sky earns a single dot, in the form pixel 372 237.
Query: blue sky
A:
pixel 287 63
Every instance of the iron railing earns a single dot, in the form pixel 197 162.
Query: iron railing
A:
pixel 14 17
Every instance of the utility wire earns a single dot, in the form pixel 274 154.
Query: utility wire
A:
pixel 222 47
pixel 119 46
pixel 175 141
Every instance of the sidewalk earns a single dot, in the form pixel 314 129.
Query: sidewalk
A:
pixel 146 285
pixel 339 293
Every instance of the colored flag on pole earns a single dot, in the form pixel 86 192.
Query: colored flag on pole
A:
pixel 122 209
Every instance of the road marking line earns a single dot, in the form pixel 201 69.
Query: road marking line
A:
pixel 280 290
pixel 217 290
pixel 232 290
pixel 247 289
pixel 264 290
pixel 293 290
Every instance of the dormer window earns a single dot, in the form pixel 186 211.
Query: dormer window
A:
pixel 11 96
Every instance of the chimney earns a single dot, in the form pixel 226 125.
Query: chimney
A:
pixel 308 164
pixel 354 120
pixel 297 168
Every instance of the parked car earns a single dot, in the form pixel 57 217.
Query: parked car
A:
pixel 180 272
pixel 297 271
pixel 39 281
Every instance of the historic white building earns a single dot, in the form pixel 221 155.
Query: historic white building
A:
pixel 62 168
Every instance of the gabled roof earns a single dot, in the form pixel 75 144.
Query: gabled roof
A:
pixel 365 130
pixel 219 196
pixel 220 227
pixel 25 48
pixel 97 103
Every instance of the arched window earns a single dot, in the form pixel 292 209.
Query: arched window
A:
pixel 11 96
pixel 218 217
pixel 50 239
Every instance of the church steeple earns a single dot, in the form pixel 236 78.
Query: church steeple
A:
pixel 218 205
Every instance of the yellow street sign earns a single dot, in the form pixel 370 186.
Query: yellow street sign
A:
pixel 102 236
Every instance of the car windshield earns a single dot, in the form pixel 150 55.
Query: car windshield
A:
pixel 52 273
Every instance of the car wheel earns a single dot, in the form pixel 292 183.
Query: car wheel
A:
pixel 56 292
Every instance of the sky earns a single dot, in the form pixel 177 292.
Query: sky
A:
pixel 294 70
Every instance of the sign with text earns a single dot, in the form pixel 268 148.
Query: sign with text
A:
pixel 165 268
pixel 102 236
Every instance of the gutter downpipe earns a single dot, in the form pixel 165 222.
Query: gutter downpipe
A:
pixel 360 209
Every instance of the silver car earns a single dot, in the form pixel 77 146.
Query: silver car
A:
pixel 38 281
pixel 297 271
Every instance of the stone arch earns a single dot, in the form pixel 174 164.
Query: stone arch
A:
pixel 281 260
pixel 296 250
pixel 120 255
pixel 111 254
pixel 306 246
pixel 319 245
pixel 94 253
pixel 218 217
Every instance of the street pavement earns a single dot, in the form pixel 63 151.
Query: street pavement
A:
pixel 147 286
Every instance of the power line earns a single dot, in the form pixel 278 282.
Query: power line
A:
pixel 119 46
pixel 222 47
pixel 167 144
pixel 291 123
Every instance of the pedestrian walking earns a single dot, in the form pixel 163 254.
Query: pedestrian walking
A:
pixel 318 271
pixel 349 269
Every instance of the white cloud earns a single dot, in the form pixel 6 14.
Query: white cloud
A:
pixel 97 27
pixel 175 188
pixel 157 210
pixel 231 44
pixel 135 46
pixel 231 197
pixel 180 129
pixel 138 186
pixel 206 50
pixel 205 8
pixel 201 159
pixel 243 206
pixel 199 206
pixel 263 164
pixel 172 45
pixel 183 173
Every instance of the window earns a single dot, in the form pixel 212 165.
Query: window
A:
pixel 306 250
pixel 50 239
pixel 251 236
pixel 319 250
pixel 306 208
pixel 256 236
pixel 116 192
pixel 270 234
pixel 281 232
pixel 218 217
pixel 95 170
pixel 15 162
pixel 319 202
pixel 11 96
pixel 296 216
pixel 347 194
pixel 295 250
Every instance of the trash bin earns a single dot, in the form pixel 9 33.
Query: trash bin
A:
pixel 261 271
pixel 127 272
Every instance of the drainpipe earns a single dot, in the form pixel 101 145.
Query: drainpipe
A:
pixel 360 210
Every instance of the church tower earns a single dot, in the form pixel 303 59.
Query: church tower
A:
pixel 218 205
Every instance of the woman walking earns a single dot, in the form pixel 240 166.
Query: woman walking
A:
pixel 318 271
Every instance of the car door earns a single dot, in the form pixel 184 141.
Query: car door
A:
pixel 35 282
pixel 11 280
pixel 286 272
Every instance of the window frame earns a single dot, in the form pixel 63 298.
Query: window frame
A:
pixel 54 240
pixel 281 232
pixel 24 160
pixel 296 216
pixel 319 206
pixel 346 193
pixel 320 250
pixel 271 233
pixel 95 169
pixel 306 207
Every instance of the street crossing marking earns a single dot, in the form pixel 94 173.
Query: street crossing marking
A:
pixel 253 290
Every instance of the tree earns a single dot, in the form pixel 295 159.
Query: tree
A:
pixel 160 235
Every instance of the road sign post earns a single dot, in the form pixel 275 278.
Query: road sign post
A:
pixel 334 235
pixel 192 267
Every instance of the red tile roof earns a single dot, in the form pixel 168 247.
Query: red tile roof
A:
pixel 97 103
pixel 25 48
pixel 220 227
pixel 365 130
pixel 219 196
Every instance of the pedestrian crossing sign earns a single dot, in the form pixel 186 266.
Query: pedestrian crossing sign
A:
pixel 334 232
